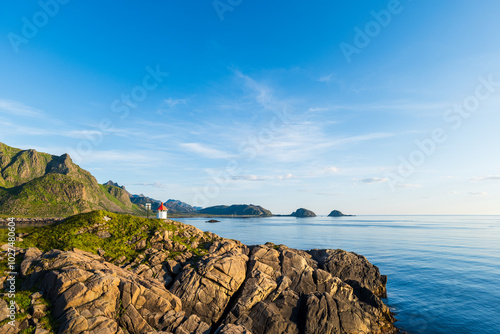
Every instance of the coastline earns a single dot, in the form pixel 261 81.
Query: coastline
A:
pixel 238 282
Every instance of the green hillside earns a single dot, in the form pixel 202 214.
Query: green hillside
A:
pixel 40 184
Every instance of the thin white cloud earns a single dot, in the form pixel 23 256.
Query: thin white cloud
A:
pixel 326 78
pixel 477 193
pixel 170 102
pixel 263 178
pixel 263 94
pixel 487 178
pixel 205 151
pixel 154 185
pixel 316 109
pixel 286 176
pixel 407 185
pixel 361 138
pixel 19 109
pixel 374 180
pixel 248 178
pixel 331 169
pixel 399 106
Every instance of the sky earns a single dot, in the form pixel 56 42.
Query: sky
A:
pixel 380 107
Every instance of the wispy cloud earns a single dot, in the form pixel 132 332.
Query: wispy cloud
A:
pixel 19 109
pixel 263 94
pixel 331 169
pixel 170 102
pixel 361 138
pixel 205 151
pixel 159 185
pixel 487 178
pixel 316 109
pixel 326 78
pixel 407 185
pixel 262 178
pixel 374 180
pixel 477 193
pixel 248 178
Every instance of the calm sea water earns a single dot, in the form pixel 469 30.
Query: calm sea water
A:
pixel 444 271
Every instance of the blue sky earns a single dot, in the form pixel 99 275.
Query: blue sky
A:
pixel 283 104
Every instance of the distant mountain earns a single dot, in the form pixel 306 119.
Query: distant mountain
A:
pixel 111 183
pixel 301 213
pixel 141 200
pixel 179 206
pixel 237 209
pixel 40 184
pixel 337 213
pixel 174 206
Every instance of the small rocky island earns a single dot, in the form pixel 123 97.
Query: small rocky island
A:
pixel 236 210
pixel 302 213
pixel 138 275
pixel 337 213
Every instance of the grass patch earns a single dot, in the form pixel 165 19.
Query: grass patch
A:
pixel 80 231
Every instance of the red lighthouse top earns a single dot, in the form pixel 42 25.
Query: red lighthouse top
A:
pixel 162 207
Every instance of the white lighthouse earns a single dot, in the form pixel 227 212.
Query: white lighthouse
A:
pixel 162 212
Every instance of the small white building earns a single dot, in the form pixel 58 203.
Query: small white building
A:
pixel 162 212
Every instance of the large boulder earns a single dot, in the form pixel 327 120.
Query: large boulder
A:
pixel 352 268
pixel 207 289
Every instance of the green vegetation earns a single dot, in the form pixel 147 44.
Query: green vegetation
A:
pixel 81 231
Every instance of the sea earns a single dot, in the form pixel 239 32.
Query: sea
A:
pixel 443 271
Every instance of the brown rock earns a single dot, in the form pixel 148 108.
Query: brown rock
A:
pixel 232 329
pixel 86 294
pixel 207 290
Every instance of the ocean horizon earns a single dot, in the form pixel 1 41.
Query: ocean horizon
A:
pixel 442 269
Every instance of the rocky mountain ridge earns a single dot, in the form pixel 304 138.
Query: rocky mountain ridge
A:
pixel 174 206
pixel 40 184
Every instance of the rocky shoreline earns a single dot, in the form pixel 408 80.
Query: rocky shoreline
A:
pixel 230 288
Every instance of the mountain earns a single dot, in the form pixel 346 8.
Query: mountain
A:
pixel 141 200
pixel 337 213
pixel 111 183
pixel 173 205
pixel 301 213
pixel 237 210
pixel 178 206
pixel 40 184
